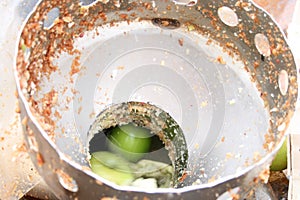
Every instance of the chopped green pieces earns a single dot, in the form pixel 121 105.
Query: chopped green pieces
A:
pixel 112 161
pixel 111 174
pixel 162 172
pixel 145 173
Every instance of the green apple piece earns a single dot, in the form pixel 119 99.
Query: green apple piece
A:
pixel 145 183
pixel 112 160
pixel 130 141
pixel 163 173
pixel 280 161
pixel 113 175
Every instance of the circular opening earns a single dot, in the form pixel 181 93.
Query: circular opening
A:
pixel 146 142
pixel 67 181
pixel 228 16
pixel 283 82
pixel 262 44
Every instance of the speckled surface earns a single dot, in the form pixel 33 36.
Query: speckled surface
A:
pixel 282 11
pixel 287 15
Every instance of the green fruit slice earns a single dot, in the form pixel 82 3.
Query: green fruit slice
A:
pixel 112 161
pixel 130 141
pixel 280 161
pixel 113 175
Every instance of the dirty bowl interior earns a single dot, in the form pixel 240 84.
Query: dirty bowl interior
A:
pixel 221 69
